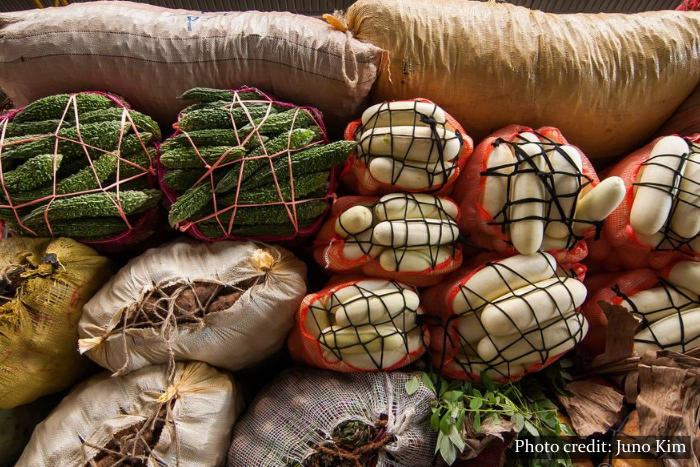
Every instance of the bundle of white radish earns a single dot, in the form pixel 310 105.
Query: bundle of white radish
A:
pixel 360 325
pixel 411 145
pixel 659 220
pixel 666 302
pixel 410 237
pixel 506 318
pixel 527 190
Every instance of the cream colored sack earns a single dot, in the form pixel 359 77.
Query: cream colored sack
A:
pixel 150 55
pixel 608 81
pixel 185 423
pixel 229 304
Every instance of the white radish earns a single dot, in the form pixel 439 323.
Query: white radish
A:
pixel 675 333
pixel 501 370
pixel 598 203
pixel 695 244
pixel 549 243
pixel 656 240
pixel 378 308
pixel 527 136
pixel 413 143
pixel 470 328
pixel 500 161
pixel 527 199
pixel 380 353
pixel 686 274
pixel 415 233
pixel 402 113
pixel 360 245
pixel 532 305
pixel 396 206
pixel 353 221
pixel 411 176
pixel 362 338
pixel 414 260
pixel 566 166
pixel 658 302
pixel 499 278
pixel 554 337
pixel 366 286
pixel 658 185
pixel 685 220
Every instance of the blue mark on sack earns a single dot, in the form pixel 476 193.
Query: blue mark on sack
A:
pixel 190 20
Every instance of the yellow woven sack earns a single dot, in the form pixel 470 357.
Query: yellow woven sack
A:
pixel 43 286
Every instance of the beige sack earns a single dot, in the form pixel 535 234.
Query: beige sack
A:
pixel 150 55
pixel 185 423
pixel 229 304
pixel 608 81
pixel 686 119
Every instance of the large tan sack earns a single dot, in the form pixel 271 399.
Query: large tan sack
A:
pixel 150 55
pixel 185 420
pixel 686 119
pixel 229 304
pixel 608 81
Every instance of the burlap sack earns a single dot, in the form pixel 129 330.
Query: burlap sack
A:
pixel 294 418
pixel 228 304
pixel 47 282
pixel 608 81
pixel 185 420
pixel 150 55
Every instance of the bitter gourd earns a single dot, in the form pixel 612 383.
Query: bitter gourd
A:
pixel 291 140
pixel 33 173
pixel 303 186
pixel 269 214
pixel 143 122
pixel 142 160
pixel 191 202
pixel 94 205
pixel 211 229
pixel 209 95
pixel 187 158
pixel 182 179
pixel 53 107
pixel 44 127
pixel 310 160
pixel 276 124
pixel 96 227
pixel 215 137
pixel 223 118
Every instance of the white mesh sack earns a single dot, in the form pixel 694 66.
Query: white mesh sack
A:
pixel 151 417
pixel 311 417
pixel 229 304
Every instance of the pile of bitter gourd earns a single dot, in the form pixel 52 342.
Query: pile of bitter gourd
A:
pixel 76 165
pixel 235 159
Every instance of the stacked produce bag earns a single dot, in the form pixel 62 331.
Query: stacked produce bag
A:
pixel 244 165
pixel 79 165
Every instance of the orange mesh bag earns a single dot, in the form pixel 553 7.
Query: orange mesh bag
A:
pixel 662 180
pixel 359 325
pixel 242 165
pixel 404 236
pixel 666 302
pixel 409 145
pixel 79 165
pixel 494 201
pixel 505 317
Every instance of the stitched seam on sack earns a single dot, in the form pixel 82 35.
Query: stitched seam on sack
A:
pixel 25 59
pixel 223 36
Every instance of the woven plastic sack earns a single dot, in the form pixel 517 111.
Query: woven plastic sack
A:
pixel 47 166
pixel 669 295
pixel 491 233
pixel 150 55
pixel 629 72
pixel 229 304
pixel 357 177
pixel 249 184
pixel 435 257
pixel 299 419
pixel 150 417
pixel 505 317
pixel 45 284
pixel 359 325
pixel 620 247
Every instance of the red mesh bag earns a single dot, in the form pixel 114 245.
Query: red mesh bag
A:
pixel 675 289
pixel 434 261
pixel 356 175
pixel 463 344
pixel 359 325
pixel 491 234
pixel 262 182
pixel 619 246
pixel 80 165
